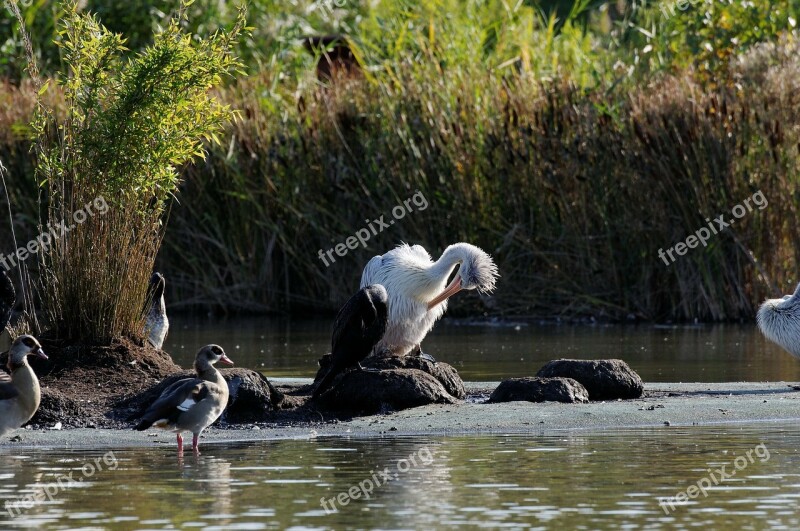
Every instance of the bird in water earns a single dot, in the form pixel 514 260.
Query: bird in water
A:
pixel 156 323
pixel 418 289
pixel 358 327
pixel 8 297
pixel 191 404
pixel 19 393
pixel 779 321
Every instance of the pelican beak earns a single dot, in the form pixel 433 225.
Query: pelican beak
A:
pixel 449 291
pixel 226 360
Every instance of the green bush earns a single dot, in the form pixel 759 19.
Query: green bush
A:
pixel 129 124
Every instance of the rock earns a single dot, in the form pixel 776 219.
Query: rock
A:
pixel 252 396
pixel 444 373
pixel 540 390
pixel 604 379
pixel 370 392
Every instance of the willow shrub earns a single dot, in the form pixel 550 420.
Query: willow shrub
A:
pixel 129 124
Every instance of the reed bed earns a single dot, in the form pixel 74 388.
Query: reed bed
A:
pixel 570 175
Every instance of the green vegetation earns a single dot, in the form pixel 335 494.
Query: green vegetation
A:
pixel 118 139
pixel 572 147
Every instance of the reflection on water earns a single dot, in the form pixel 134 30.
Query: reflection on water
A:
pixel 597 480
pixel 720 353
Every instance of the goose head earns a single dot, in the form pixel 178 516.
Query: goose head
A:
pixel 157 285
pixel 209 356
pixel 23 347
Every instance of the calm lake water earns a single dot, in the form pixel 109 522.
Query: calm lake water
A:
pixel 601 480
pixel 490 352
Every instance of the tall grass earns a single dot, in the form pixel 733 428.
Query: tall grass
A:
pixel 572 155
pixel 127 125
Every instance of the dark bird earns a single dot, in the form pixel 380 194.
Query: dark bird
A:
pixel 8 297
pixel 358 327
pixel 157 324
pixel 191 404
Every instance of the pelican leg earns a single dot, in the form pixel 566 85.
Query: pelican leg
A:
pixel 427 357
pixel 366 369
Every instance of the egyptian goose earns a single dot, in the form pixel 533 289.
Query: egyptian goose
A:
pixel 19 393
pixel 8 298
pixel 156 323
pixel 191 404
pixel 358 327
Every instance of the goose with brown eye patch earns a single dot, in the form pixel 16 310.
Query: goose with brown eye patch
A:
pixel 19 391
pixel 191 404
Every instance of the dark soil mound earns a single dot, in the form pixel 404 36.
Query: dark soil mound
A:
pixel 390 383
pixel 370 392
pixel 604 379
pixel 81 383
pixel 540 390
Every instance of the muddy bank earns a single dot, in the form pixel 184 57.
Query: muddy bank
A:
pixel 663 405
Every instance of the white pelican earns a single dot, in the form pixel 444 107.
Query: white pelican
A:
pixel 779 321
pixel 417 288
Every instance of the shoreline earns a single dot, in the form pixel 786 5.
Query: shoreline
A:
pixel 679 404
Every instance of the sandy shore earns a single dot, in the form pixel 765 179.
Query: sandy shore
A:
pixel 677 404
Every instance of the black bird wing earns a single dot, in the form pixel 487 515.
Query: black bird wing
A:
pixel 176 399
pixel 359 325
pixel 8 298
pixel 7 389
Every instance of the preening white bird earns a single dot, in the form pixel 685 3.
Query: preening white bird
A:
pixel 418 289
pixel 779 321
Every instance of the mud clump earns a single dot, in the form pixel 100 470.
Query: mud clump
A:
pixel 604 379
pixel 390 383
pixel 540 390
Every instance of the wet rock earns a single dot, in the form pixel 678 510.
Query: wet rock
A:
pixel 370 392
pixel 444 373
pixel 603 379
pixel 540 390
pixel 252 396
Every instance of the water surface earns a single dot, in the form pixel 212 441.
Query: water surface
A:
pixel 576 481
pixel 491 352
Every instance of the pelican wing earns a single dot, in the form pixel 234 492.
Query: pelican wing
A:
pixel 372 272
pixel 178 398
pixel 7 389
